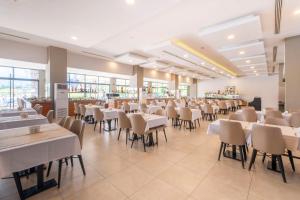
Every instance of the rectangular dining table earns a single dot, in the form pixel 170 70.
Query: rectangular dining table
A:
pixel 21 150
pixel 18 121
pixel 15 112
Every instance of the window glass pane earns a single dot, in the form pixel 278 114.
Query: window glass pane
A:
pixel 6 72
pixel 77 78
pixel 104 80
pixel 25 89
pixel 91 79
pixel 26 73
pixel 5 100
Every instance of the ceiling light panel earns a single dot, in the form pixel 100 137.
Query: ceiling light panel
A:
pixel 240 27
pixel 131 59
pixel 252 59
pixel 155 65
pixel 251 49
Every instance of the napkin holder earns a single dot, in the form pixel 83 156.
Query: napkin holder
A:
pixel 34 129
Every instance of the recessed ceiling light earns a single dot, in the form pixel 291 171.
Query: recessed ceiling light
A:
pixel 254 71
pixel 214 68
pixel 256 74
pixel 248 61
pixel 203 63
pixel 252 67
pixel 74 38
pixel 221 72
pixel 130 2
pixel 242 52
pixel 186 55
pixel 130 61
pixel 230 37
pixel 297 12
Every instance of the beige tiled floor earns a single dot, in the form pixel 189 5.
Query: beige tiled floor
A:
pixel 185 167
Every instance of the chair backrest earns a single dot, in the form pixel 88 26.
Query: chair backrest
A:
pixel 98 114
pixel 277 121
pixel 232 133
pixel 208 109
pixel 126 107
pixel 268 139
pixel 274 114
pixel 159 112
pixel 50 116
pixel 236 116
pixel 67 122
pixel 295 119
pixel 77 127
pixel 123 120
pixel 138 124
pixel 222 105
pixel 82 109
pixel 62 121
pixel 171 112
pixel 185 113
pixel 249 115
pixel 76 108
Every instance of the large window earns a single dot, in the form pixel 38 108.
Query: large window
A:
pixel 87 86
pixel 184 90
pixel 122 87
pixel 158 89
pixel 17 83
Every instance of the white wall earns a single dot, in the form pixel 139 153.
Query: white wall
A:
pixel 265 87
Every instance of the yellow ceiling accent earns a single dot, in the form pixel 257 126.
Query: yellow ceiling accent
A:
pixel 186 47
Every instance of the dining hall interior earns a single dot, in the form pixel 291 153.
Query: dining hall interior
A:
pixel 148 100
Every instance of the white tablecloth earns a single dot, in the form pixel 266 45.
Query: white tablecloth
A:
pixel 133 106
pixel 20 150
pixel 153 108
pixel 161 103
pixel 196 113
pixel 90 109
pixel 214 107
pixel 153 120
pixel 291 135
pixel 17 121
pixel 110 113
pixel 11 113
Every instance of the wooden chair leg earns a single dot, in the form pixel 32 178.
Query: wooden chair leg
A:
pixel 156 132
pixel 264 157
pixel 59 172
pixel 133 138
pixel 291 159
pixel 245 153
pixel 81 164
pixel 95 125
pixel 144 143
pixel 252 158
pixel 71 158
pixel 242 156
pixel 66 161
pixel 119 133
pixel 220 151
pixel 165 135
pixel 281 168
pixel 49 168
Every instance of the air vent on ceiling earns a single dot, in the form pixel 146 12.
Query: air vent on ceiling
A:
pixel 278 8
pixel 98 55
pixel 14 36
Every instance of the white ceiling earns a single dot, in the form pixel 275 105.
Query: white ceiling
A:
pixel 112 27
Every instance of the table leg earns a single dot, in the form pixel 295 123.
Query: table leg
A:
pixel 40 187
pixel 151 141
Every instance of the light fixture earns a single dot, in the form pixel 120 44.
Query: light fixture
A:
pixel 230 37
pixel 256 74
pixel 297 12
pixel 186 55
pixel 254 71
pixel 248 61
pixel 130 60
pixel 194 52
pixel 252 67
pixel 242 52
pixel 74 38
pixel 203 63
pixel 130 2
pixel 213 68
pixel 221 72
